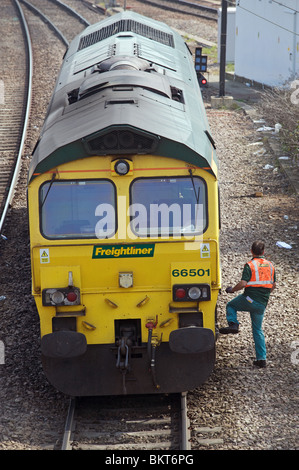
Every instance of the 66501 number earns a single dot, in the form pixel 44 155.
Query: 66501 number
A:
pixel 190 272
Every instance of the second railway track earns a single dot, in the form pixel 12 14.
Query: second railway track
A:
pixel 207 11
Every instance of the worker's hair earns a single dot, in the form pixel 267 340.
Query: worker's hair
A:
pixel 258 248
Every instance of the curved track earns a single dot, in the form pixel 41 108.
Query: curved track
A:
pixel 14 111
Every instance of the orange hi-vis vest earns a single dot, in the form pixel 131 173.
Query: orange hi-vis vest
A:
pixel 262 273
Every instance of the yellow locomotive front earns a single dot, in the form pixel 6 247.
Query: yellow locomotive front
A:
pixel 124 217
pixel 126 274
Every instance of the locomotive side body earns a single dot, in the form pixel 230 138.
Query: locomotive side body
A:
pixel 124 220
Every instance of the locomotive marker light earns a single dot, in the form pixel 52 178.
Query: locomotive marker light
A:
pixel 180 293
pixel 71 297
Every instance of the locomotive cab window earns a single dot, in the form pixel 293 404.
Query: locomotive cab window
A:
pixel 168 206
pixel 77 209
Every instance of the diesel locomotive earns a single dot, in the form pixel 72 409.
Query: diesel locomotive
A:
pixel 123 210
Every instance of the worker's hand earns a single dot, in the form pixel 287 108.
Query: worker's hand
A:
pixel 229 290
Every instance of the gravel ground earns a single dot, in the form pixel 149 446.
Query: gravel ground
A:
pixel 256 409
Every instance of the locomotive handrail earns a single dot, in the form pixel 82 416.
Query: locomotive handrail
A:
pixel 26 119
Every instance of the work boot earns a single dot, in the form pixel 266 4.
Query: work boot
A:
pixel 260 363
pixel 232 328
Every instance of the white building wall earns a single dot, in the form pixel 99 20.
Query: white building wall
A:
pixel 230 34
pixel 267 40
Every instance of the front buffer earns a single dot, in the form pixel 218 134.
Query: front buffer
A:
pixel 181 364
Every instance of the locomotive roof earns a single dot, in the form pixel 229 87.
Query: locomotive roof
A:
pixel 127 74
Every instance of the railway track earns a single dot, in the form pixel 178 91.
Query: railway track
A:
pixel 206 10
pixel 14 107
pixel 156 422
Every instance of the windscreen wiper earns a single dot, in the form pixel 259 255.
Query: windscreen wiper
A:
pixel 196 194
pixel 50 186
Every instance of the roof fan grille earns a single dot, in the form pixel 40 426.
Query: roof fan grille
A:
pixel 123 26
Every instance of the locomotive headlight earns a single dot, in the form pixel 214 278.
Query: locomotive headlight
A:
pixel 57 297
pixel 194 293
pixel 121 167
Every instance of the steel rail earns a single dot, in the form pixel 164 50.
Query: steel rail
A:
pixel 47 21
pixel 72 11
pixel 197 6
pixel 66 441
pixel 16 172
pixel 185 423
pixel 94 7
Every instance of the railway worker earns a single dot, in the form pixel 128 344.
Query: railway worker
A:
pixel 259 281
